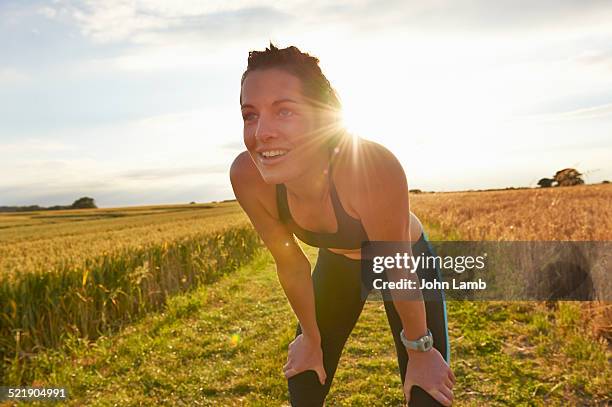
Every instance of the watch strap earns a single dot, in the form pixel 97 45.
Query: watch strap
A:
pixel 423 344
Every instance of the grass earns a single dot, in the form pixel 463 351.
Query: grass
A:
pixel 225 344
pixel 90 292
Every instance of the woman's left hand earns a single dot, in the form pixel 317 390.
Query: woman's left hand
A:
pixel 430 371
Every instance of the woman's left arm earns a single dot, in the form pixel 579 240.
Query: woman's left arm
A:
pixel 383 206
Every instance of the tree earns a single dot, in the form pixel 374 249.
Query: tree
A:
pixel 84 203
pixel 568 177
pixel 546 182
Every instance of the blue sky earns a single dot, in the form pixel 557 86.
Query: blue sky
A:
pixel 137 102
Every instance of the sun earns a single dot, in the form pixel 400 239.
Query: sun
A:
pixel 363 116
pixel 354 120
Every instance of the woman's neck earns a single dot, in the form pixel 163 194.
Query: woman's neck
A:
pixel 312 185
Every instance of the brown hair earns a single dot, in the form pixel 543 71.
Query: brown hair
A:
pixel 315 85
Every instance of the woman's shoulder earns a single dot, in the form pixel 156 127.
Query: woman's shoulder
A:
pixel 358 160
pixel 363 168
pixel 249 184
pixel 243 169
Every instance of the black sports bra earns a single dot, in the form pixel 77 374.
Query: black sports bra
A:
pixel 350 233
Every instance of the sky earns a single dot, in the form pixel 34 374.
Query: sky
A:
pixel 137 102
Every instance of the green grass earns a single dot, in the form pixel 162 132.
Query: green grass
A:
pixel 225 344
pixel 40 309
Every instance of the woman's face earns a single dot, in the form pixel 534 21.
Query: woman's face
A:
pixel 281 130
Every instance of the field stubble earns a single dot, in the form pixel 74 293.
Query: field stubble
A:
pixel 578 213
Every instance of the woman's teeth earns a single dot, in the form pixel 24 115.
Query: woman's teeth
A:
pixel 273 153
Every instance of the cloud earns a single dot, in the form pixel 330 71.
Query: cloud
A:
pixel 165 173
pixel 472 15
pixel 237 145
pixel 593 112
pixel 34 145
pixel 159 35
pixel 48 12
pixel 107 195
pixel 596 58
pixel 51 182
pixel 11 76
pixel 588 113
pixel 151 22
pixel 158 21
pixel 65 172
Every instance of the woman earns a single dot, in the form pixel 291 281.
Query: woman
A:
pixel 303 175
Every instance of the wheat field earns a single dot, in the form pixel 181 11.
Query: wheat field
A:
pixel 578 213
pixel 84 272
pixel 45 240
pixel 581 212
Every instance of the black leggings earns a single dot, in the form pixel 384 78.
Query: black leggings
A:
pixel 338 301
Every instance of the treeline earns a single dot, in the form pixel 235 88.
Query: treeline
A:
pixel 81 203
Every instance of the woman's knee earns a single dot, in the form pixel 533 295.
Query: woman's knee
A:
pixel 305 390
pixel 420 398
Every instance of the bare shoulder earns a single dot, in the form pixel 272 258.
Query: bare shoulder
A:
pixel 377 160
pixel 243 170
pixel 249 185
pixel 258 200
pixel 366 166
pixel 358 158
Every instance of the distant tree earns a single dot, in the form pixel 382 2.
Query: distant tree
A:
pixel 568 177
pixel 20 208
pixel 84 203
pixel 192 203
pixel 605 182
pixel 546 182
pixel 57 208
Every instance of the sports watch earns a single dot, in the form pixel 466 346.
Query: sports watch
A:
pixel 423 344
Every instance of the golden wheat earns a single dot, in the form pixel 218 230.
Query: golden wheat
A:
pixel 560 213
pixel 82 272
pixel 46 240
pixel 578 213
pixel 84 278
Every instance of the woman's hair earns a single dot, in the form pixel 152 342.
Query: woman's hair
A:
pixel 315 85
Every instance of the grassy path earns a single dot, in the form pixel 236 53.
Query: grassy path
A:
pixel 225 344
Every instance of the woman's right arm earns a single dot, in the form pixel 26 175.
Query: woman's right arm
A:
pixel 292 266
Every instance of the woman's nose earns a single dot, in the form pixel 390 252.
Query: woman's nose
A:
pixel 265 130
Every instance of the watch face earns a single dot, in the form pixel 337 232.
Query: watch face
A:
pixel 427 341
pixel 422 344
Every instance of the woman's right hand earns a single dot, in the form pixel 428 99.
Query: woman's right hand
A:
pixel 432 373
pixel 305 354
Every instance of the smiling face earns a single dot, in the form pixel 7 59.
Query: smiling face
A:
pixel 281 129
